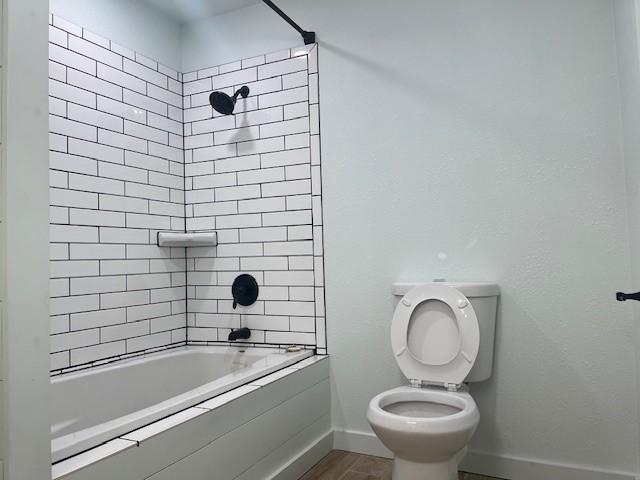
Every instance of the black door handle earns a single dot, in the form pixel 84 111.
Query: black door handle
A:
pixel 623 297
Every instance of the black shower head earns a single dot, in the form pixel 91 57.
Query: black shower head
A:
pixel 225 104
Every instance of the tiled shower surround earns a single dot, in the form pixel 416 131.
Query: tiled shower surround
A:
pixel 136 149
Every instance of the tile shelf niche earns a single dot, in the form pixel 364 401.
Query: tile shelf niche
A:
pixel 179 239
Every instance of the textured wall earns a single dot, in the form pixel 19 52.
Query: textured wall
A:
pixel 117 177
pixel 255 178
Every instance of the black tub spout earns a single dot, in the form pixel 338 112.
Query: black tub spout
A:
pixel 239 334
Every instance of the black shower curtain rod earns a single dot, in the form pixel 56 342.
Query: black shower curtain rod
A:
pixel 308 37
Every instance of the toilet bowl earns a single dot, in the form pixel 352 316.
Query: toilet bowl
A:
pixel 435 336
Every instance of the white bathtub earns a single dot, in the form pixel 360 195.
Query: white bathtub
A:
pixel 93 406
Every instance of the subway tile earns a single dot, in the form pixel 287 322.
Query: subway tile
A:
pixel 58 251
pixel 236 164
pixel 97 352
pixel 261 146
pixel 92 251
pixel 289 308
pixel 290 338
pixel 88 285
pixel 100 218
pixel 150 192
pixel 94 84
pixel 299 232
pixel 58 36
pixel 97 39
pixel 121 109
pixel 289 248
pixel 139 220
pixel 198 141
pixel 236 135
pixel 264 234
pixel 298 140
pixel 289 278
pixel 238 221
pixel 69 268
pixel 148 281
pixel 148 162
pixel 258 117
pixel 123 267
pixel 148 341
pixel 101 318
pixel 145 73
pixel 165 151
pixel 214 153
pixel 121 332
pixel 294 80
pixel 287 127
pixel 283 67
pixel 72 59
pixel 284 97
pixel 71 94
pixel 121 78
pixel 296 110
pixel 297 217
pixel 94 117
pixel 124 299
pixel 123 235
pixel 144 102
pixel 67 341
pixel 72 233
pixel 145 132
pixel 169 322
pixel 66 305
pixel 293 187
pixel 63 126
pixel 275 204
pixel 279 55
pixel 72 198
pixel 235 78
pixel 95 52
pixel 264 263
pixel 261 176
pixel 237 193
pixel 123 204
pixel 146 61
pixel 289 157
pixel 120 140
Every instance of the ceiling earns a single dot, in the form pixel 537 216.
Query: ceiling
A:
pixel 184 11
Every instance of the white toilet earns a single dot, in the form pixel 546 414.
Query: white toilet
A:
pixel 442 335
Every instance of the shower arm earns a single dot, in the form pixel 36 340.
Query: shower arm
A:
pixel 308 37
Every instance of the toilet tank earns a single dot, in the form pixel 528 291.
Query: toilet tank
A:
pixel 484 299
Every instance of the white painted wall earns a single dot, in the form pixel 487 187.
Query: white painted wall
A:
pixel 132 24
pixel 481 141
pixel 24 242
pixel 628 43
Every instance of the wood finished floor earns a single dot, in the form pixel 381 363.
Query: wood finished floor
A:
pixel 339 465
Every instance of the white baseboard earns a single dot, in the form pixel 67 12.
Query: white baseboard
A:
pixel 299 465
pixel 499 466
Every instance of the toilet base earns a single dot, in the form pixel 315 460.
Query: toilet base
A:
pixel 408 470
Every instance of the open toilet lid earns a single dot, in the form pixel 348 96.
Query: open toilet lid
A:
pixel 436 342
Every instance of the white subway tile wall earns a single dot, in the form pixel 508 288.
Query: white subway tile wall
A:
pixel 136 148
pixel 255 178
pixel 116 164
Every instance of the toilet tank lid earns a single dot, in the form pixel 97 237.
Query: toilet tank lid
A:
pixel 468 289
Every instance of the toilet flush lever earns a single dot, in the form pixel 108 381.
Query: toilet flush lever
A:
pixel 623 297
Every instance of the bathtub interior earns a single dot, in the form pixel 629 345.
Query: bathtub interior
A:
pixel 95 405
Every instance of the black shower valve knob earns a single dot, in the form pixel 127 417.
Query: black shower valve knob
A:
pixel 244 290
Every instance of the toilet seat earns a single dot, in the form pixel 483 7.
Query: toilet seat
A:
pixel 457 347
pixel 466 417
